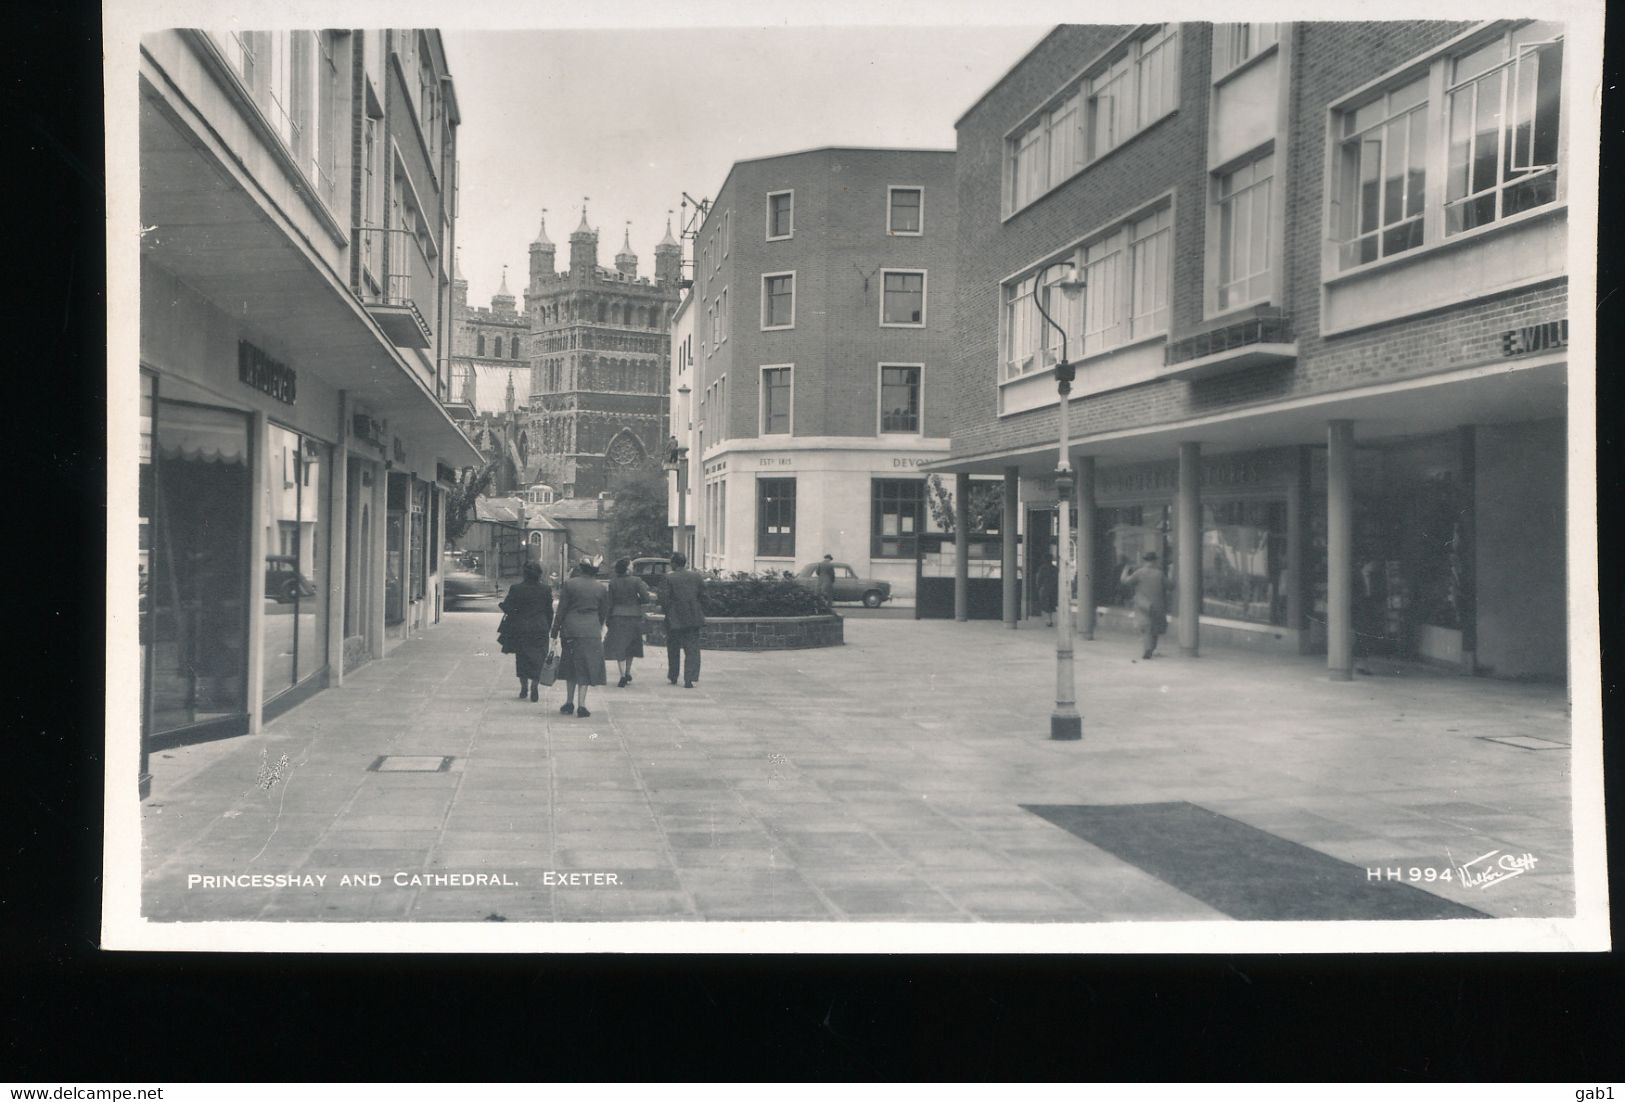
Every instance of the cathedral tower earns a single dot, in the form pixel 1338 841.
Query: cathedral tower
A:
pixel 668 257
pixel 583 249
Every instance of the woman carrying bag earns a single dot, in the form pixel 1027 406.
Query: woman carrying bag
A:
pixel 526 623
pixel 624 641
pixel 582 612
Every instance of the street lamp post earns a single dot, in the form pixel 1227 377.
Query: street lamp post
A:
pixel 1065 722
pixel 682 480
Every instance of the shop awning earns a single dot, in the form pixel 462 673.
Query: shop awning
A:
pixel 1497 393
pixel 197 435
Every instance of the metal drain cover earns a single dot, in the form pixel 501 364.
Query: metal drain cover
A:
pixel 1527 742
pixel 409 763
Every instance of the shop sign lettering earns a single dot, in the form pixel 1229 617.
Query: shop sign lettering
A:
pixel 1535 338
pixel 908 462
pixel 366 430
pixel 774 461
pixel 266 375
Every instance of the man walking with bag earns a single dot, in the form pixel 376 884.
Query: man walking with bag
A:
pixel 680 600
pixel 1150 601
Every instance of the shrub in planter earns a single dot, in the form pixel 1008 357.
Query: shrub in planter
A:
pixel 762 595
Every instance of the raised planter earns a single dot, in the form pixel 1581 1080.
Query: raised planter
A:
pixel 758 632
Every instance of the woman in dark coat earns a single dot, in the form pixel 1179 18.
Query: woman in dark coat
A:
pixel 579 622
pixel 524 630
pixel 624 641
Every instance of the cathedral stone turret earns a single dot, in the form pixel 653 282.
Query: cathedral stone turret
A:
pixel 668 257
pixel 583 249
pixel 502 302
pixel 626 261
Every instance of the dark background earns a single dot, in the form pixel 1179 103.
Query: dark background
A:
pixel 74 1013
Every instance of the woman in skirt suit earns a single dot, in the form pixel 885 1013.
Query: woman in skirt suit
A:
pixel 579 622
pixel 624 642
pixel 524 629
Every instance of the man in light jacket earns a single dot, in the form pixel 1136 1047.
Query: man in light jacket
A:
pixel 680 600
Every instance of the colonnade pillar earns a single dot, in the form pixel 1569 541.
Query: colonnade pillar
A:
pixel 1340 550
pixel 961 547
pixel 1007 533
pixel 1188 510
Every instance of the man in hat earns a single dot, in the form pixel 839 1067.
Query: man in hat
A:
pixel 825 573
pixel 1150 601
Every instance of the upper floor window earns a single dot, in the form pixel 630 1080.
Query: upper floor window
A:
pixel 780 214
pixel 496 350
pixel 779 300
pixel 292 78
pixel 900 398
pixel 1123 93
pixel 776 400
pixel 902 298
pixel 480 345
pixel 1126 273
pixel 1234 43
pixel 514 348
pixel 1244 202
pixel 727 230
pixel 904 207
pixel 1494 139
pixel 722 315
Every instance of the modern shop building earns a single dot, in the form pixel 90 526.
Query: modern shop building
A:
pixel 296 194
pixel 1321 347
pixel 822 313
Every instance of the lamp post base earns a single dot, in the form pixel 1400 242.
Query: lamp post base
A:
pixel 1065 728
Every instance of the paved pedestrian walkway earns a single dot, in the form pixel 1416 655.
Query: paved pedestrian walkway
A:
pixel 889 779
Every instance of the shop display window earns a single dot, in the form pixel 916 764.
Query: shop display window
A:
pixel 294 588
pixel 1244 545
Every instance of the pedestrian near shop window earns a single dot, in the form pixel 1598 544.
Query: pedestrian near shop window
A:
pixel 825 573
pixel 579 624
pixel 1150 587
pixel 680 598
pixel 1047 583
pixel 527 620
pixel 624 641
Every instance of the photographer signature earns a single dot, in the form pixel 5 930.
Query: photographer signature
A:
pixel 1491 868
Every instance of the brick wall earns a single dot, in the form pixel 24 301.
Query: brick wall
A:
pixel 1330 60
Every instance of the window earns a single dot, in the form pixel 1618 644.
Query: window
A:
pixel 1234 43
pixel 1125 298
pixel 1382 171
pixel 727 230
pixel 480 345
pixel 1503 101
pixel 902 298
pixel 716 255
pixel 776 518
pixel 1127 91
pixel 779 300
pixel 1493 139
pixel 713 311
pixel 722 315
pixel 898 517
pixel 292 78
pixel 496 349
pixel 776 395
pixel 903 210
pixel 780 214
pixel 1244 233
pixel 900 398
pixel 514 346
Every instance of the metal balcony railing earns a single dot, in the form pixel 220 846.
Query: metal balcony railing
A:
pixel 1261 329
pixel 397 273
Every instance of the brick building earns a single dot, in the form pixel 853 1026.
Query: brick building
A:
pixel 822 316
pixel 295 298
pixel 1323 327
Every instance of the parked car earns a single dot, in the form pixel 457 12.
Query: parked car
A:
pixel 650 568
pixel 848 585
pixel 283 582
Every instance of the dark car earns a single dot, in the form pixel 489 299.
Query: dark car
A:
pixel 283 582
pixel 461 584
pixel 848 585
pixel 650 568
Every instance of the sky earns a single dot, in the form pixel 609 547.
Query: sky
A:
pixel 631 119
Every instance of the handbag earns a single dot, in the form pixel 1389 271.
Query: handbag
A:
pixel 550 668
pixel 502 635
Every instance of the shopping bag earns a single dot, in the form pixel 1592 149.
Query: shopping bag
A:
pixel 550 668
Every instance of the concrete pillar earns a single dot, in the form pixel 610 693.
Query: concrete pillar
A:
pixel 1188 510
pixel 1340 550
pixel 380 541
pixel 338 528
pixel 259 440
pixel 1297 540
pixel 961 547
pixel 1007 540
pixel 1085 466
